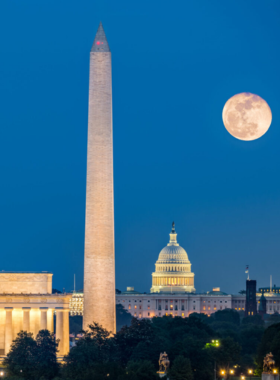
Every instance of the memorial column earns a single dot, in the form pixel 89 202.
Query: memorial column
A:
pixel 8 329
pixel 43 321
pixel 66 330
pixel 59 330
pixel 26 319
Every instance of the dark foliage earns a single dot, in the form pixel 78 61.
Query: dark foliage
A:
pixel 270 343
pixel 56 291
pixel 181 369
pixel 32 359
pixel 193 344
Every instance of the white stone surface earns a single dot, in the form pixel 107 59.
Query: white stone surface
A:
pixel 99 265
pixel 270 376
pixel 26 282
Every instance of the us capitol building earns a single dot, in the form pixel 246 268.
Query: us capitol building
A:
pixel 173 291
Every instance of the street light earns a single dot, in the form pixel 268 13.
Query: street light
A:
pixel 250 371
pixel 222 372
pixel 275 370
pixel 231 371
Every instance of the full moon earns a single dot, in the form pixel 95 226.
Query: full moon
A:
pixel 247 116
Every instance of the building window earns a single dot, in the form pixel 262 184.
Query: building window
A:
pixel 159 314
pixel 204 308
pixel 176 307
pixel 140 307
pixel 129 307
pixel 182 307
pixel 149 307
pixel 135 314
pixel 194 308
pixel 148 314
pixel 183 314
pixel 159 307
pixel 135 306
pixel 209 307
pixel 166 307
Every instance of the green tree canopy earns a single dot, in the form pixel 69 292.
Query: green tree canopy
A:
pixel 32 359
pixel 181 369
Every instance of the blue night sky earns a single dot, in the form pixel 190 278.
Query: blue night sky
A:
pixel 175 64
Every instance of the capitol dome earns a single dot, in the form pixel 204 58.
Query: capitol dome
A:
pixel 173 269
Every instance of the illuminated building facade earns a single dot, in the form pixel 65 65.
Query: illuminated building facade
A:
pixel 99 262
pixel 173 269
pixel 142 305
pixel 27 303
pixel 76 304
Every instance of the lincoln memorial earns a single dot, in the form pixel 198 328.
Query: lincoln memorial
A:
pixel 27 303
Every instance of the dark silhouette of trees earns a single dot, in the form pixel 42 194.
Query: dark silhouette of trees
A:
pixel 32 359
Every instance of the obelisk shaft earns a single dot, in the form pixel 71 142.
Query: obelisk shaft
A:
pixel 99 264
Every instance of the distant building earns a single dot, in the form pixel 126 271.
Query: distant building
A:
pixel 273 289
pixel 173 292
pixel 173 269
pixel 76 304
pixel 27 303
pixel 251 298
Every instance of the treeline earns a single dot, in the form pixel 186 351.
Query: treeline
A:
pixel 133 352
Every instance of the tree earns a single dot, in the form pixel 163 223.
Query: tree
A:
pixel 242 292
pixel 228 353
pixel 141 370
pixel 128 337
pixel 45 355
pixel 253 320
pixel 32 359
pixel 270 343
pixel 56 291
pixel 91 354
pixel 250 338
pixel 123 317
pixel 181 369
pixel 20 359
pixel 227 315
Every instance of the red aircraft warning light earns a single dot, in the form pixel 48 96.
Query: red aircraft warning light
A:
pixel 98 43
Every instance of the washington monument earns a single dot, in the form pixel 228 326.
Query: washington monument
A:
pixel 99 270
